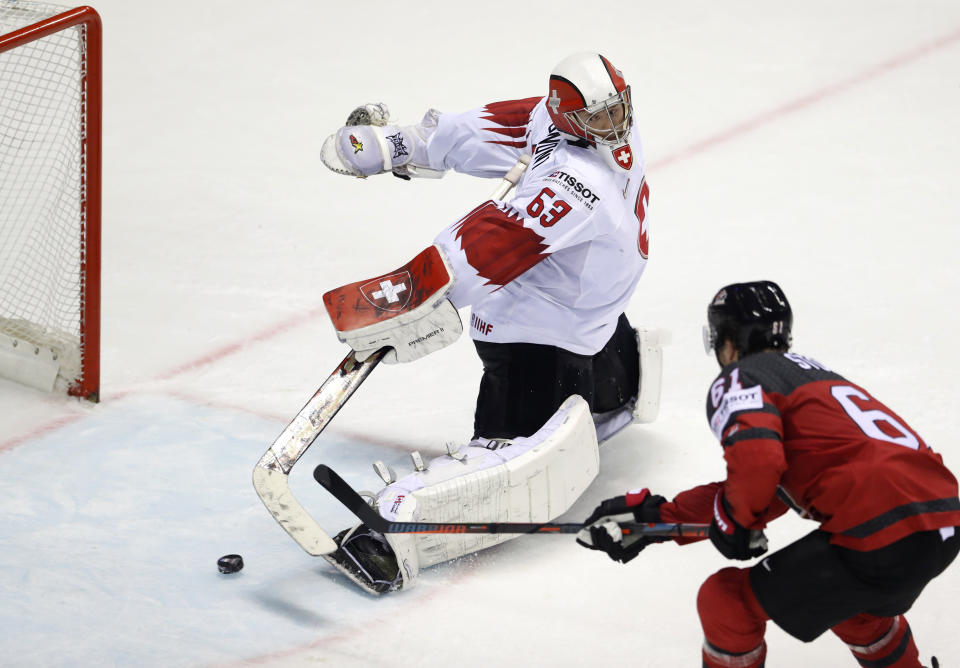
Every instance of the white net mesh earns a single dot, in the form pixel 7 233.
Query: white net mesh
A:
pixel 42 126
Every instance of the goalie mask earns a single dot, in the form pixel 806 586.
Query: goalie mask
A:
pixel 589 100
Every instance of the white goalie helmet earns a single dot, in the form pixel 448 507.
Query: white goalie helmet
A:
pixel 589 100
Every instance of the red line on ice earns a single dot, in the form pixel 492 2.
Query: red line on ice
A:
pixel 238 346
pixel 806 101
pixel 51 426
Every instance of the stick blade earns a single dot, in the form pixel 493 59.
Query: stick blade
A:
pixel 324 475
pixel 345 494
pixel 274 490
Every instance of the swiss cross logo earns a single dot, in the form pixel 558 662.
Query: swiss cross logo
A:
pixel 388 293
pixel 624 156
pixel 554 101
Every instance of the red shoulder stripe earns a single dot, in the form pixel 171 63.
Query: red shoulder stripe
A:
pixel 512 116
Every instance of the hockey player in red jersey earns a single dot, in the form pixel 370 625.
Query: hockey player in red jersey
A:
pixel 798 435
pixel 547 274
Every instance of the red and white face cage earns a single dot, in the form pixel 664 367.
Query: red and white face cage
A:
pixel 588 99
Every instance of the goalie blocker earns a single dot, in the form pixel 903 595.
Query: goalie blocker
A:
pixel 534 479
pixel 406 310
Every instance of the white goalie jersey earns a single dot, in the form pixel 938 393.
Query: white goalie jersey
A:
pixel 558 263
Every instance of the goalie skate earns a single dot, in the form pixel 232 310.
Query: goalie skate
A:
pixel 364 556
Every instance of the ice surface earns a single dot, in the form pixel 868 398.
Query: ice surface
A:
pixel 814 144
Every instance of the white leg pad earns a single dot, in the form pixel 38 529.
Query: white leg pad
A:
pixel 534 479
pixel 650 344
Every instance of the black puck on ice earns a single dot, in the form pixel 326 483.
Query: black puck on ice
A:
pixel 230 563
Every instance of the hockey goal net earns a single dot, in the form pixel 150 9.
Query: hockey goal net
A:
pixel 50 118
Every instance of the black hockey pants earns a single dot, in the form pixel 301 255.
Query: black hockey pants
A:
pixel 523 384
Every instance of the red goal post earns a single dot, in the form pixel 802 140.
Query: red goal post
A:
pixel 50 196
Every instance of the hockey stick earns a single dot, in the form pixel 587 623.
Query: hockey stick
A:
pixel 511 177
pixel 270 473
pixel 355 503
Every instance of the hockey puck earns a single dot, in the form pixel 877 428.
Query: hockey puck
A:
pixel 230 563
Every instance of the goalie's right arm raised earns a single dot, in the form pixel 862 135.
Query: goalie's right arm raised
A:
pixel 368 145
pixel 483 142
pixel 406 310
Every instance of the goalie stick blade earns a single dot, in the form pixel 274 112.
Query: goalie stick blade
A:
pixel 338 487
pixel 270 474
pixel 274 491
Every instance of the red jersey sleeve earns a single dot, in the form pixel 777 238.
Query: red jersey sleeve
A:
pixel 748 425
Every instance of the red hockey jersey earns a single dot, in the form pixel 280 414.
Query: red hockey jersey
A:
pixel 796 433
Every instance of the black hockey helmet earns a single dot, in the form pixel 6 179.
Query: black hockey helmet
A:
pixel 755 316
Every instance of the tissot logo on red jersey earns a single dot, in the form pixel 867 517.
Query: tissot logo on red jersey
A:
pixel 388 293
pixel 750 398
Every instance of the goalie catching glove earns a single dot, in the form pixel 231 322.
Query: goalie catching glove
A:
pixel 405 310
pixel 367 145
pixel 602 529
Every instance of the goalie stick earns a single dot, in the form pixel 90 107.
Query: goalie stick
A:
pixel 338 487
pixel 270 475
pixel 510 179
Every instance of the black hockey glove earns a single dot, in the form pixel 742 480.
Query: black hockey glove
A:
pixel 733 540
pixel 601 530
